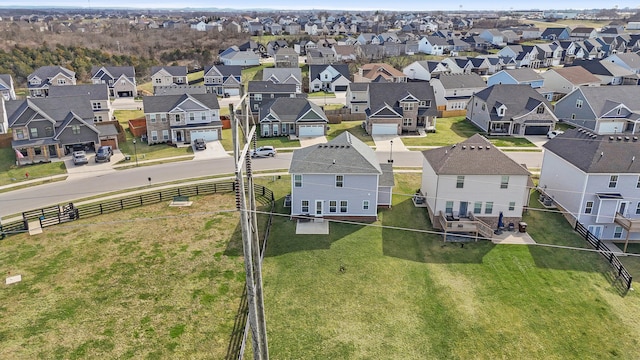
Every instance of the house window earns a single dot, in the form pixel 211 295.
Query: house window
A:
pixel 477 207
pixel 192 116
pixel 488 209
pixel 158 81
pixel 365 205
pixel 504 182
pixel 588 207
pixel 154 135
pixel 48 131
pixel 638 183
pixel 460 182
pixel 406 122
pixel 448 207
pixel 75 129
pixel 540 109
pixel 501 111
pixel 573 116
pixel 613 181
pixel 618 112
pixel 512 205
pixel 422 103
pixel 427 103
pixel 579 104
pixel 165 135
pixel 638 209
pixel 333 206
pixel 297 180
pixel 617 232
pixel 62 81
pixel 152 118
pixel 177 117
pixel 37 151
pixel 19 134
pixel 305 206
pixel 163 117
pixel 483 108
pixel 257 97
pixel 34 132
pixel 97 118
pixel 407 106
pixel 97 106
pixel 203 116
pixel 343 206
pixel 339 180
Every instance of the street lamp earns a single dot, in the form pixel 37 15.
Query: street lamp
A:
pixel 135 150
pixel 390 152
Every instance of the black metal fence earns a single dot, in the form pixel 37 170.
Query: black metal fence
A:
pixel 619 269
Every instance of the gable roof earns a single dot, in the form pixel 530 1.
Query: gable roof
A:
pixel 519 99
pixel 600 97
pixel 270 87
pixel 224 70
pixel 375 70
pixel 282 74
pixel 166 103
pixel 597 153
pixel 93 91
pixel 345 154
pixel 524 74
pixel 290 109
pixel 383 95
pixel 576 75
pixel 47 72
pixel 459 81
pixel 342 69
pixel 6 82
pixel 474 156
pixel 56 108
pixel 115 71
pixel 172 70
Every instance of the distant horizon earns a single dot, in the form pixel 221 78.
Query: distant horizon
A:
pixel 290 5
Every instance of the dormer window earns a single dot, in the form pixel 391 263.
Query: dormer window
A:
pixel 501 111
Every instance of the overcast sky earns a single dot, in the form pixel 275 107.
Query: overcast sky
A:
pixel 415 5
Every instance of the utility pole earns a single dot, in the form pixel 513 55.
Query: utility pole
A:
pixel 249 225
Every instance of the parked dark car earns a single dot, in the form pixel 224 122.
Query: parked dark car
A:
pixel 104 154
pixel 199 144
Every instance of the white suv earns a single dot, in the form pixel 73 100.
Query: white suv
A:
pixel 553 133
pixel 263 151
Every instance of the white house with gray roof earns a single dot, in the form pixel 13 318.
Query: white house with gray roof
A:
pixel 39 82
pixel 425 70
pixel 7 91
pixel 602 109
pixel 473 180
pixel 292 116
pixel 595 179
pixel 340 179
pixel 98 95
pixel 168 76
pixel 330 78
pixel 180 119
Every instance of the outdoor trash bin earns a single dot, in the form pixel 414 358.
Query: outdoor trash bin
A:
pixel 522 227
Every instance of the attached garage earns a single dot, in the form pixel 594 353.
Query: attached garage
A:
pixel 207 135
pixel 125 94
pixel 610 127
pixel 232 91
pixel 109 142
pixel 384 129
pixel 536 130
pixel 340 88
pixel 310 130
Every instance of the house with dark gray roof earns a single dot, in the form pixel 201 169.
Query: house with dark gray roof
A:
pixel 284 75
pixel 223 79
pixel 556 33
pixel 168 76
pixel 7 91
pixel 395 108
pixel 263 92
pixel 120 79
pixel 286 57
pixel 474 181
pixel 508 109
pixel 98 95
pixel 602 109
pixel 47 128
pixel 425 70
pixel 180 119
pixel 329 78
pixel 39 81
pixel 517 76
pixel 292 116
pixel 594 179
pixel 340 179
pixel 453 92
pixel 608 72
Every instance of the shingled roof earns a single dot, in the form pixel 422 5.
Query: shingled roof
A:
pixel 519 99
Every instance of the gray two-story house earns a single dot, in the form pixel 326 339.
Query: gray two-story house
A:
pixel 263 92
pixel 39 82
pixel 98 95
pixel 292 116
pixel 120 79
pixel 223 79
pixel 168 76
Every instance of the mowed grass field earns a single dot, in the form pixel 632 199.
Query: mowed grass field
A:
pixel 407 295
pixel 155 282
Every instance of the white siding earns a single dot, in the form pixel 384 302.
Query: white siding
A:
pixel 563 182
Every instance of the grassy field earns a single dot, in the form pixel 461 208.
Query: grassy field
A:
pixel 105 288
pixel 199 75
pixel 406 295
pixel 597 24
pixel 11 174
pixel 453 130
pixel 354 127
pixel 253 73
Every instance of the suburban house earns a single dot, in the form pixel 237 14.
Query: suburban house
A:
pixel 602 109
pixel 223 79
pixel 608 72
pixel 517 76
pixel 284 75
pixel 453 92
pixel 470 184
pixel 564 80
pixel 39 82
pixel 379 72
pixel 47 128
pixel 595 179
pixel 425 70
pixel 583 33
pixel 98 95
pixel 4 121
pixel 232 56
pixel 433 45
pixel 321 56
pixel 493 36
pixel 286 57
pixel 7 91
pixel 395 108
pixel 329 78
pixel 180 119
pixel 556 33
pixel 263 92
pixel 121 80
pixel 292 116
pixel 506 109
pixel 340 179
pixel 357 97
pixel 168 76
pixel 629 61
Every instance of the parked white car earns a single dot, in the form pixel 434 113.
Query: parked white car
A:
pixel 553 133
pixel 263 151
pixel 80 158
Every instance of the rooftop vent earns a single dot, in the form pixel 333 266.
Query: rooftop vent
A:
pixel 611 138
pixel 635 138
pixel 488 147
pixel 463 147
pixel 626 138
pixel 619 138
pixel 472 147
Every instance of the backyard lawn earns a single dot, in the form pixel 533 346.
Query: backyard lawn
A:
pixel 10 173
pixel 148 283
pixel 407 295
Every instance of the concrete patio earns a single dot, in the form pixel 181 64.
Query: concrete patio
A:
pixel 317 227
pixel 513 238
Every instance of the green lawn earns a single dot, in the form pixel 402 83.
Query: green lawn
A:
pixel 251 73
pixel 354 127
pixel 321 94
pixel 278 142
pixel 453 130
pixel 196 76
pixel 155 282
pixel 407 295
pixel 11 174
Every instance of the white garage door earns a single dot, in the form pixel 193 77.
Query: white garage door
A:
pixel 233 92
pixel 207 135
pixel 384 129
pixel 311 130
pixel 610 127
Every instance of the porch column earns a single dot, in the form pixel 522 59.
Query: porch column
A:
pixel 626 243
